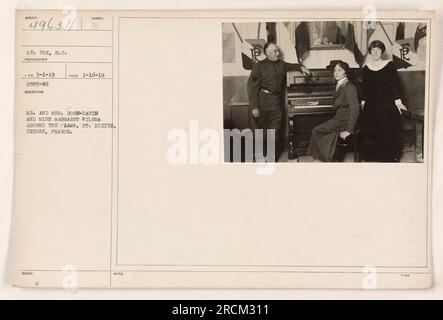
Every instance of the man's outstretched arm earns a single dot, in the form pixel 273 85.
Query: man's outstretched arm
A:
pixel 297 67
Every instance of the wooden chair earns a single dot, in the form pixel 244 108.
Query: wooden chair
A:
pixel 350 143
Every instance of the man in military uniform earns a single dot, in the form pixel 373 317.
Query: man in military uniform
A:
pixel 266 87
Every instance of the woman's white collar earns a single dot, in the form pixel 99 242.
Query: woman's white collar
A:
pixel 377 66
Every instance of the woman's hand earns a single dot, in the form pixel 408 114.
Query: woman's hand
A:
pixel 362 104
pixel 255 113
pixel 344 135
pixel 400 106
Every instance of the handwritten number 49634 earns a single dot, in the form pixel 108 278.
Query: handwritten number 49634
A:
pixel 51 25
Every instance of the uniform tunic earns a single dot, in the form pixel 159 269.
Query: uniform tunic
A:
pixel 324 136
pixel 269 76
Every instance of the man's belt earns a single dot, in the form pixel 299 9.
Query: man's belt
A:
pixel 271 92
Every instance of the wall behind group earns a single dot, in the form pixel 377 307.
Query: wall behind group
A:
pixel 236 76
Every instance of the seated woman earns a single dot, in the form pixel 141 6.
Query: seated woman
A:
pixel 346 105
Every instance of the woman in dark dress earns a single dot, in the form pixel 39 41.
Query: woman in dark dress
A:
pixel 381 123
pixel 345 103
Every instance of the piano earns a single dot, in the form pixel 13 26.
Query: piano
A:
pixel 308 103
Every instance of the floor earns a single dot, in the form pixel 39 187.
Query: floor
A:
pixel 409 152
pixel 407 157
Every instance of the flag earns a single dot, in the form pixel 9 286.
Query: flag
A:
pixel 404 54
pixel 419 33
pixel 400 32
pixel 369 33
pixel 302 41
pixel 351 44
pixel 246 61
pixel 340 36
pixel 271 29
pixel 286 41
pixel 251 49
pixel 252 52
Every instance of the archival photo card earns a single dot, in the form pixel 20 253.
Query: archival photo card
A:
pixel 223 149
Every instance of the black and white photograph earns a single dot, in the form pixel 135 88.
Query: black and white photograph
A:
pixel 324 91
pixel 214 150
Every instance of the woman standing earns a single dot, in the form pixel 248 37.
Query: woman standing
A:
pixel 345 103
pixel 382 107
